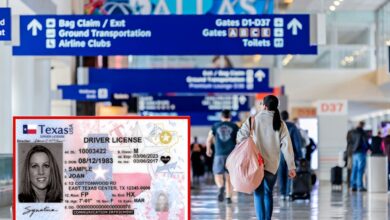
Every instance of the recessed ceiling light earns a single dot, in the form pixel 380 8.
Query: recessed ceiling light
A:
pixel 332 8
pixel 286 60
pixel 337 3
pixel 257 58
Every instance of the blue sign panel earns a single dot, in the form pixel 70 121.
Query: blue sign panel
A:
pixel 5 24
pixel 197 118
pixel 97 92
pixel 182 80
pixel 193 103
pixel 164 35
pixel 148 7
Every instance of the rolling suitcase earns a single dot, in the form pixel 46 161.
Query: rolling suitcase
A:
pixel 303 165
pixel 301 186
pixel 336 178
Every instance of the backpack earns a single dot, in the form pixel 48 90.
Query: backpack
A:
pixel 245 164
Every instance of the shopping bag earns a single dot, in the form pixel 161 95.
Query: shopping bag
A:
pixel 245 164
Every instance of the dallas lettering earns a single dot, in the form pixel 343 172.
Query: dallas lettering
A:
pixel 162 7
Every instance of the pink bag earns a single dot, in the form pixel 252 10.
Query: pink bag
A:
pixel 245 165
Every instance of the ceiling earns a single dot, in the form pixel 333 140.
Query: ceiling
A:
pixel 305 6
pixel 20 8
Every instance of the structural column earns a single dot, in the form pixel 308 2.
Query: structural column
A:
pixel 332 133
pixel 42 87
pixel 5 98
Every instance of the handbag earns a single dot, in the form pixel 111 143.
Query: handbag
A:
pixel 245 164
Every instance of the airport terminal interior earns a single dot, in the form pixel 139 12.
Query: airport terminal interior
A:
pixel 327 62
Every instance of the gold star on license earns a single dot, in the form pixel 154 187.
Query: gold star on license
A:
pixel 165 137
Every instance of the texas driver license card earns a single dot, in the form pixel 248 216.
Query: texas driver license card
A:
pixel 101 168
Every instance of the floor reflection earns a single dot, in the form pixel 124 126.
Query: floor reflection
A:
pixel 324 204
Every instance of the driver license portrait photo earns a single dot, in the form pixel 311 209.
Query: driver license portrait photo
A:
pixel 40 172
pixel 161 202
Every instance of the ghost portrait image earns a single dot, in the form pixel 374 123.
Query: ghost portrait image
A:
pixel 41 180
pixel 162 202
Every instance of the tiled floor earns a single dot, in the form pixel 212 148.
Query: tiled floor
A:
pixel 324 204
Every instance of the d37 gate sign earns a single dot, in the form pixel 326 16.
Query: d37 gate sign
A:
pixel 332 107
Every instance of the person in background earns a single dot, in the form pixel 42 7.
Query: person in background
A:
pixel 197 162
pixel 223 134
pixel 359 142
pixel 272 138
pixel 386 151
pixel 284 181
pixel 310 148
pixel 305 139
pixel 208 162
pixel 369 136
pixel 376 143
pixel 348 157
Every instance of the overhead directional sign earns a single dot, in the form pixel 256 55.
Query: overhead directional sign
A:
pixel 164 35
pixel 193 103
pixel 5 24
pixel 99 92
pixel 182 80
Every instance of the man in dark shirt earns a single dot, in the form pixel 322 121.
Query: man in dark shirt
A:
pixel 358 141
pixel 296 139
pixel 223 134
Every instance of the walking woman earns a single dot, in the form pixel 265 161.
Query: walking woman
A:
pixel 272 138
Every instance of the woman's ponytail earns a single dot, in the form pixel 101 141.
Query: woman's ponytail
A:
pixel 277 121
pixel 272 103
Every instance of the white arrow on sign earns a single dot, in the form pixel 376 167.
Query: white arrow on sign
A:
pixel 260 75
pixel 34 25
pixel 242 99
pixel 294 24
